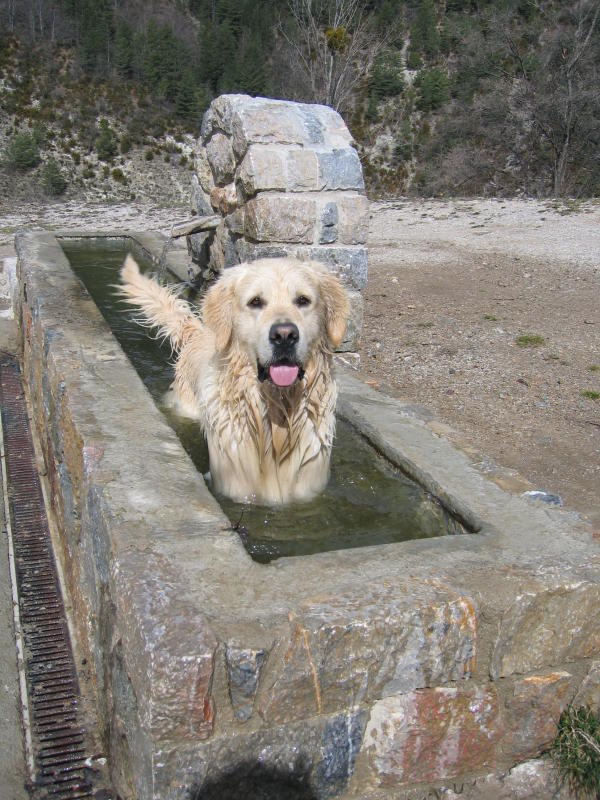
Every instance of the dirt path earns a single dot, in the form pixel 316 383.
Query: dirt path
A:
pixel 451 287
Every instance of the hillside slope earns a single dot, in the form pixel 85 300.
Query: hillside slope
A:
pixel 446 98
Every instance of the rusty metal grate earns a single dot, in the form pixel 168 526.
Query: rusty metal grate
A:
pixel 59 741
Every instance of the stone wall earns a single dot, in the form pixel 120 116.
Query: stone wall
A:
pixel 287 180
pixel 426 669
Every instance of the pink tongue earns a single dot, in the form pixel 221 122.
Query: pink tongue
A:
pixel 283 375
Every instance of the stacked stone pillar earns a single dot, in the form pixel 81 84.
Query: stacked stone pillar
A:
pixel 287 181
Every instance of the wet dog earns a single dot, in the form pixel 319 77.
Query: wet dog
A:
pixel 254 367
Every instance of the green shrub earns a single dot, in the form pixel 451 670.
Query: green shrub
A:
pixel 591 394
pixel 22 152
pixel 387 77
pixel 403 149
pixel 576 750
pixel 118 175
pixel 40 134
pixel 125 144
pixel 530 340
pixel 106 143
pixel 434 89
pixel 149 155
pixel 372 112
pixel 424 36
pixel 53 181
pixel 414 60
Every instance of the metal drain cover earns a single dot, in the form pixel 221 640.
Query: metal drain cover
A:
pixel 61 757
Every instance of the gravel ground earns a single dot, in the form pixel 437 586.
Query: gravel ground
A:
pixel 452 285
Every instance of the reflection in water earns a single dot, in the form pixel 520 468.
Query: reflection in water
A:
pixel 367 500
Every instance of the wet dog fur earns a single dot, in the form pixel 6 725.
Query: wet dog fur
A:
pixel 255 368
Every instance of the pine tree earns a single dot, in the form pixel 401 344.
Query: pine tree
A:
pixel 424 36
pixel 96 24
pixel 434 89
pixel 22 152
pixel 217 55
pixel 53 181
pixel 106 143
pixel 252 73
pixel 164 56
pixel 386 78
pixel 186 105
pixel 123 51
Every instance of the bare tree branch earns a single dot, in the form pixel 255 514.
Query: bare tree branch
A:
pixel 333 46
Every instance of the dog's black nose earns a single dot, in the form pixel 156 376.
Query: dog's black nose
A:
pixel 284 333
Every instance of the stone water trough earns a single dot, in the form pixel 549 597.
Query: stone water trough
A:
pixel 380 672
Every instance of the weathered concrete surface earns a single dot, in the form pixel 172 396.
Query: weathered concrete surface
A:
pixel 210 667
pixel 292 176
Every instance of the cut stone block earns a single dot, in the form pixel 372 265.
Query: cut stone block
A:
pixel 218 116
pixel 221 158
pixel 302 171
pixel 262 169
pixel 265 121
pixel 170 653
pixel 200 200
pixel 546 628
pixel 350 662
pixel 198 246
pixel 203 171
pixel 588 693
pixel 251 251
pixel 223 251
pixel 340 169
pixel 351 341
pixel 311 759
pixel 280 218
pixel 224 199
pixel 235 221
pixel 354 219
pixel 432 734
pixel 243 667
pixel 349 263
pixel 532 714
pixel 329 223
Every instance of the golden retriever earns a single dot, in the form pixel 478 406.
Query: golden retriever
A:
pixel 255 369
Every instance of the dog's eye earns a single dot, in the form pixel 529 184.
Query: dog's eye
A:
pixel 302 300
pixel 256 302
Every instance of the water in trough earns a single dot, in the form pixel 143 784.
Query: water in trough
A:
pixel 367 501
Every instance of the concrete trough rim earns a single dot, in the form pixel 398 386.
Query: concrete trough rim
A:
pixel 478 516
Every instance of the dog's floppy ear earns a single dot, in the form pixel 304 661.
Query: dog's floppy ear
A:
pixel 217 310
pixel 337 306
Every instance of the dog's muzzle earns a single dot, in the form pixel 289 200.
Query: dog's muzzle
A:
pixel 284 369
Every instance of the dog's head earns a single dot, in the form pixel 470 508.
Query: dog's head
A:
pixel 278 311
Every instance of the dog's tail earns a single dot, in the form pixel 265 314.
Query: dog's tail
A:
pixel 160 307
